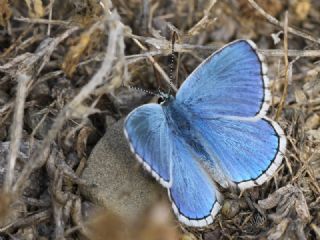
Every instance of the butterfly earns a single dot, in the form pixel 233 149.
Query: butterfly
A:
pixel 214 131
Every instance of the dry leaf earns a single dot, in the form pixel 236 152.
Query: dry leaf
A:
pixel 5 201
pixel 300 96
pixel 81 144
pixel 82 111
pixel 285 198
pixel 36 9
pixel 292 212
pixel 279 230
pixel 315 164
pixel 83 46
pixel 5 12
pixel 230 208
pixel 88 11
pixel 302 8
pixel 74 54
pixel 312 121
pixel 313 134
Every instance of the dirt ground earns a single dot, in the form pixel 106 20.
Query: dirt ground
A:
pixel 65 71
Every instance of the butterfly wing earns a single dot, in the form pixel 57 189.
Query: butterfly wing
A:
pixel 195 200
pixel 174 164
pixel 231 82
pixel 249 152
pixel 147 132
pixel 228 95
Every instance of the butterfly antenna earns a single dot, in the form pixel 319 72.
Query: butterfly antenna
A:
pixel 145 91
pixel 174 34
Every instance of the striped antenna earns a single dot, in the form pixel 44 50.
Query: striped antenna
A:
pixel 171 76
pixel 174 60
pixel 172 57
pixel 173 40
pixel 145 91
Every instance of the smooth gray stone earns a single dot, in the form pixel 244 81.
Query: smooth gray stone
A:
pixel 122 186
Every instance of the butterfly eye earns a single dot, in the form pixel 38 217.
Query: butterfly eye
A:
pixel 160 100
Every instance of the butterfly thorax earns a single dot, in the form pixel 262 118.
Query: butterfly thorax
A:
pixel 180 120
pixel 177 116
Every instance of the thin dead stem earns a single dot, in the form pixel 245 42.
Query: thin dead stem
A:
pixel 163 47
pixel 286 67
pixel 16 128
pixel 50 17
pixel 68 111
pixel 204 21
pixel 43 21
pixel 274 21
pixel 156 65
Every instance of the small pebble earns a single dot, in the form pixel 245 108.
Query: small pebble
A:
pixel 230 208
pixel 312 121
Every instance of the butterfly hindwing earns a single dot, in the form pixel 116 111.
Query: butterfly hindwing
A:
pixel 249 152
pixel 231 82
pixel 147 132
pixel 193 194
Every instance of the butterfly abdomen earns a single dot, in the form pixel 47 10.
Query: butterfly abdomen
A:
pixel 178 119
pixel 180 124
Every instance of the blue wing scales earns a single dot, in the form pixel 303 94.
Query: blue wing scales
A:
pixel 167 157
pixel 249 152
pixel 231 82
pixel 226 98
pixel 195 199
pixel 147 132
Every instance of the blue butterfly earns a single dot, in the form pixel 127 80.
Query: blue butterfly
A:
pixel 214 131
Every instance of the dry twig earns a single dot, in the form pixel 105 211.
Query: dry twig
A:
pixel 16 128
pixel 286 62
pixel 70 110
pixel 274 21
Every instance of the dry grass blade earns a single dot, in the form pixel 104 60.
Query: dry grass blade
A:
pixel 204 22
pixel 36 8
pixel 157 66
pixel 290 53
pixel 16 128
pixel 50 16
pixel 286 67
pixel 43 21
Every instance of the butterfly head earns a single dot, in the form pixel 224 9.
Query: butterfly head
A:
pixel 165 98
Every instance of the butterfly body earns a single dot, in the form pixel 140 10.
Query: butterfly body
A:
pixel 214 131
pixel 181 125
pixel 179 120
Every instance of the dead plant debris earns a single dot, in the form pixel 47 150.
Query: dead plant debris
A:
pixel 63 65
